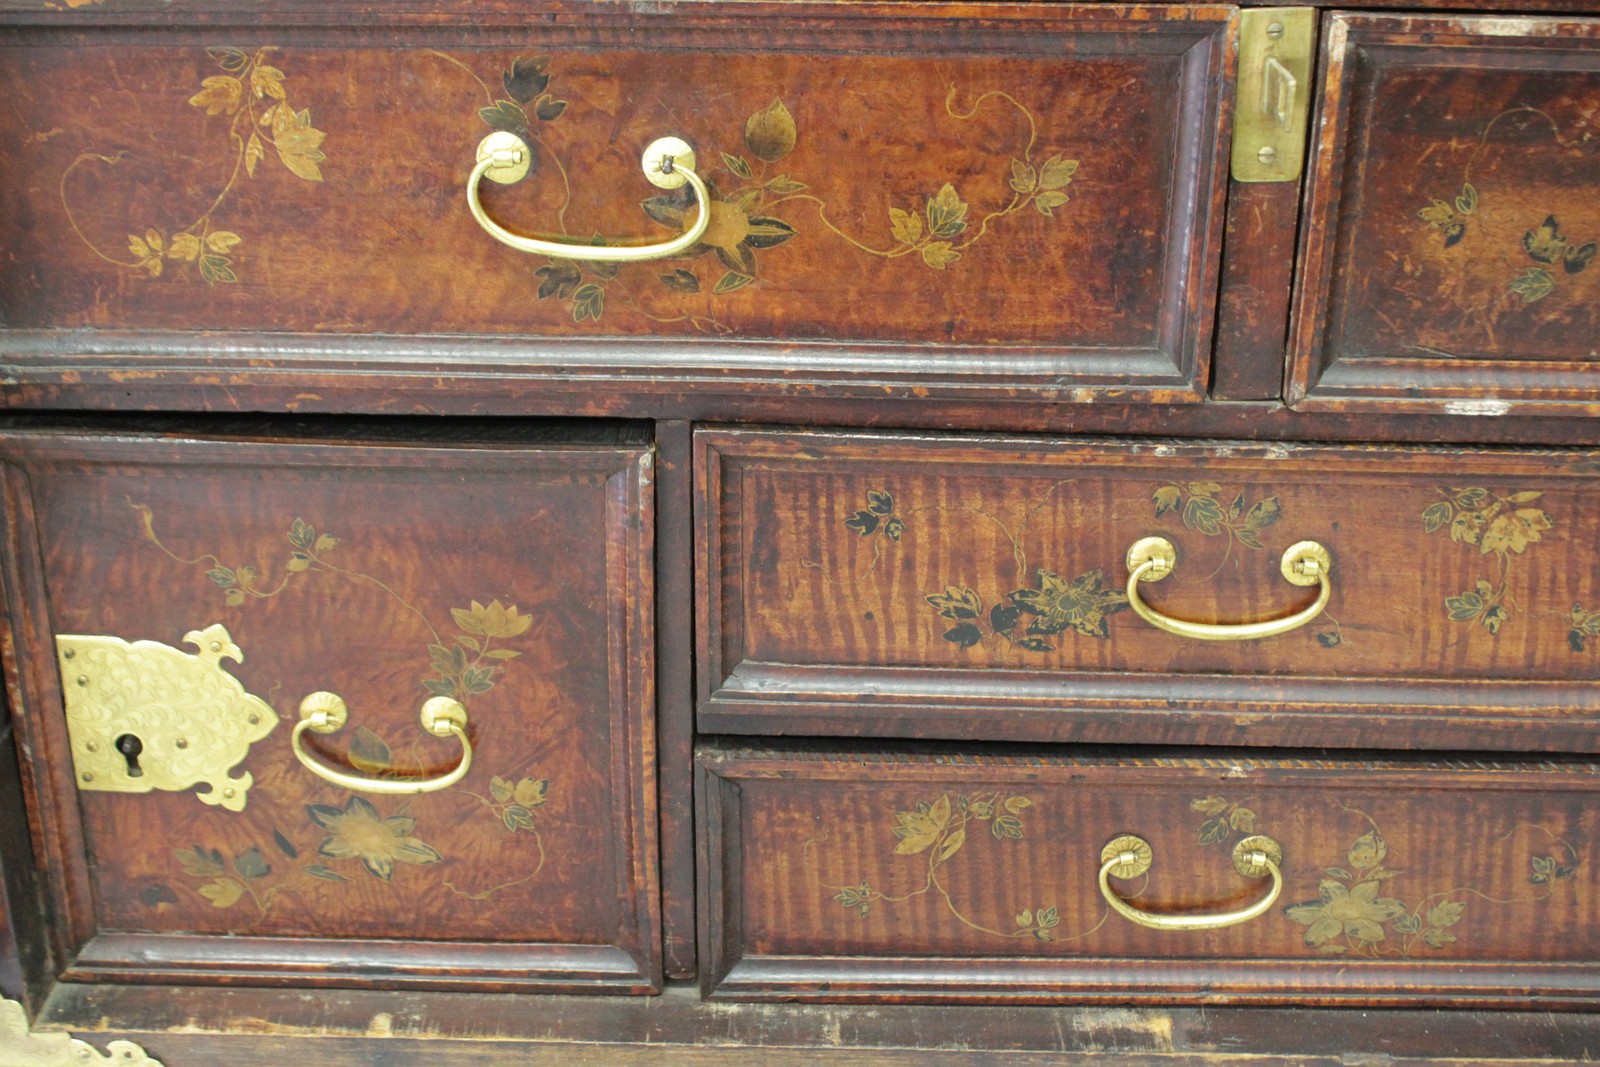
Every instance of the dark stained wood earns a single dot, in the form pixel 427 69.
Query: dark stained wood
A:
pixel 971 122
pixel 1253 308
pixel 1451 222
pixel 265 1028
pixel 674 463
pixel 128 535
pixel 884 875
pixel 24 952
pixel 981 594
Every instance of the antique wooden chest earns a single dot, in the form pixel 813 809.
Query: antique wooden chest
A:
pixel 949 533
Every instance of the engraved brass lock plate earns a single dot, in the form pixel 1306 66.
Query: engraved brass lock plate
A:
pixel 143 716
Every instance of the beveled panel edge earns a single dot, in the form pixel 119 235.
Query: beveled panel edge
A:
pixel 371 963
pixel 1421 386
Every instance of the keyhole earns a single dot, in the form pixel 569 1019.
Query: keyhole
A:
pixel 130 747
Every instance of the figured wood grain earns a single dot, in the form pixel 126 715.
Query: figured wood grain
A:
pixel 309 884
pixel 1253 305
pixel 875 875
pixel 1091 262
pixel 1450 224
pixel 810 625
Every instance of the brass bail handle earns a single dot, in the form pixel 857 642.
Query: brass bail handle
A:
pixel 668 163
pixel 1128 856
pixel 1151 559
pixel 323 713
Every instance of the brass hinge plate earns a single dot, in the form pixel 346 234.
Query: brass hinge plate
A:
pixel 142 715
pixel 1275 91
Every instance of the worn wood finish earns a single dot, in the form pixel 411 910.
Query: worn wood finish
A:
pixel 185 1027
pixel 24 953
pixel 919 585
pixel 345 567
pixel 1253 306
pixel 675 690
pixel 865 874
pixel 949 194
pixel 1451 223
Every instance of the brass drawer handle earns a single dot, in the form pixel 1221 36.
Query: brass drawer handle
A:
pixel 323 713
pixel 668 164
pixel 1128 856
pixel 1151 559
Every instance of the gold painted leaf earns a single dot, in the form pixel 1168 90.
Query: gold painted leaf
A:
pixel 298 149
pixel 732 280
pixel 1514 532
pixel 783 185
pixel 737 164
pixel 254 152
pixel 952 845
pixel 1533 284
pixel 1437 214
pixel 156 242
pixel 589 302
pixel 1368 851
pixel 1048 202
pixel 1015 805
pixel 1209 805
pixel 947 213
pixel 1467 199
pixel 500 789
pixel 267 81
pixel 223 893
pixel 139 247
pixel 531 792
pixel 1057 173
pixel 905 225
pixel 185 246
pixel 1242 820
pixel 223 241
pixel 770 133
pixel 939 254
pixel 199 862
pixel 219 93
pixel 369 753
pixel 1446 913
pixel 1024 178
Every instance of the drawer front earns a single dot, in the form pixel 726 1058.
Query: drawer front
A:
pixel 954 586
pixel 198 595
pixel 1451 235
pixel 876 876
pixel 933 183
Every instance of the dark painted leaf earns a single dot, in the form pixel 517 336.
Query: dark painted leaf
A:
pixel 739 260
pixel 252 865
pixel 1575 640
pixel 440 687
pixel 518 817
pixel 1003 617
pixel 770 133
pixel 559 280
pixel 893 529
pixel 217 269
pixel 783 185
pixel 1453 233
pixel 589 302
pixel 549 108
pixel 1166 498
pixel 231 60
pixel 223 576
pixel 478 680
pixel 1407 924
pixel 1204 514
pixel 1494 618
pixel 731 280
pixel 1248 537
pixel 737 164
pixel 1264 514
pixel 302 534
pixel 966 635
pixel 1006 826
pixel 767 232
pixel 317 870
pixel 1330 639
pixel 1437 515
pixel 1212 831
pixel 1545 244
pixel 527 78
pixel 369 753
pixel 285 845
pixel 862 522
pixel 505 115
pixel 1464 608
pixel 158 894
pixel 880 502
pixel 1575 259
pixel 1036 644
pixel 681 281
pixel 669 210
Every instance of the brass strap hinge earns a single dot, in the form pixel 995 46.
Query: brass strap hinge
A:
pixel 1275 91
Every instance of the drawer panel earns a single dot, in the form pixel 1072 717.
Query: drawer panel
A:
pixel 917 193
pixel 891 584
pixel 940 876
pixel 197 593
pixel 1449 257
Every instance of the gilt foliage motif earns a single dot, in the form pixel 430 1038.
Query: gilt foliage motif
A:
pixel 759 202
pixel 248 102
pixel 1501 525
pixel 357 836
pixel 1538 250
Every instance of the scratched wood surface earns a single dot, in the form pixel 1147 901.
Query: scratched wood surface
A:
pixel 345 568
pixel 869 873
pixel 949 586
pixel 1452 228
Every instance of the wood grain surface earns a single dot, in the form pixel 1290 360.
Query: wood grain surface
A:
pixel 516 579
pixel 872 874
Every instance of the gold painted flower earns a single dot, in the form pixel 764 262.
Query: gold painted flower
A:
pixel 1356 911
pixel 1057 605
pixel 734 233
pixel 357 831
pixel 496 620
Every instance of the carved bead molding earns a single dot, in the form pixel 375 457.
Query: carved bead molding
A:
pixel 20 1048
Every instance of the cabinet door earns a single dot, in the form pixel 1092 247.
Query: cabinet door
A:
pixel 178 604
pixel 1450 252
pixel 973 200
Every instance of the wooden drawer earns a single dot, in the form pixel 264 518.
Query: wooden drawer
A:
pixel 937 876
pixel 1451 233
pixel 903 193
pixel 921 585
pixel 190 590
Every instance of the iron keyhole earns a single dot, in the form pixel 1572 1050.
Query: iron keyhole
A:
pixel 130 747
